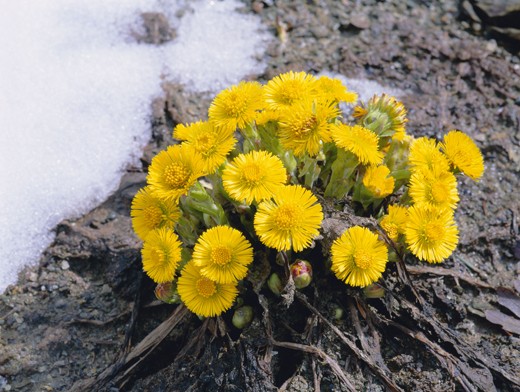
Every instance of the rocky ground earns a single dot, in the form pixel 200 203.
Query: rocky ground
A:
pixel 74 322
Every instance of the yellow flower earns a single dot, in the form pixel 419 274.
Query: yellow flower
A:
pixel 385 112
pixel 434 188
pixel 174 171
pixel 332 89
pixel 149 212
pixel 291 220
pixel 254 176
pixel 425 155
pixel 362 142
pixel 161 255
pixel 212 143
pixel 394 223
pixel 285 89
pixel 463 154
pixel 431 233
pixel 237 105
pixel 203 296
pixel 265 116
pixel 378 181
pixel 305 125
pixel 223 253
pixel 358 257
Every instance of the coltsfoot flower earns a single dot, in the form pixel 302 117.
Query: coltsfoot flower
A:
pixel 213 144
pixel 394 223
pixel 463 154
pixel 237 106
pixel 254 176
pixel 149 212
pixel 360 141
pixel 161 255
pixel 284 90
pixel 434 189
pixel 290 220
pixel 378 181
pixel 431 233
pixel 358 257
pixel 305 126
pixel 332 89
pixel 203 296
pixel 223 254
pixel 174 171
pixel 425 155
pixel 385 115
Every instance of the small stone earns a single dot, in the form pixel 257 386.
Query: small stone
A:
pixel 65 265
pixel 33 277
pixel 360 21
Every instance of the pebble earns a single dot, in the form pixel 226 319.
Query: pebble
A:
pixel 33 277
pixel 65 265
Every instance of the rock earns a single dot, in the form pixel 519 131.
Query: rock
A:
pixel 499 16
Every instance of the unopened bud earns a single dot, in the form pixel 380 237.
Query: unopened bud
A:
pixel 301 272
pixel 338 312
pixel 374 291
pixel 242 317
pixel 275 284
pixel 167 292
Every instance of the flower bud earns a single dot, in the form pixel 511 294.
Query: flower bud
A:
pixel 374 291
pixel 338 312
pixel 301 272
pixel 167 292
pixel 275 284
pixel 242 317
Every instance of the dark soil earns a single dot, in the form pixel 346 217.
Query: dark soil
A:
pixel 74 319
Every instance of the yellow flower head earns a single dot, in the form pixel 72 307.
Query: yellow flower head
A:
pixel 291 220
pixel 161 255
pixel 254 176
pixel 332 89
pixel 434 188
pixel 394 223
pixel 358 257
pixel 212 143
pixel 360 141
pixel 174 171
pixel 378 181
pixel 463 154
pixel 286 89
pixel 426 156
pixel 431 233
pixel 266 115
pixel 237 105
pixel 149 212
pixel 387 112
pixel 223 253
pixel 305 125
pixel 203 296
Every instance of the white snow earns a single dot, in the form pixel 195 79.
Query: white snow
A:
pixel 75 95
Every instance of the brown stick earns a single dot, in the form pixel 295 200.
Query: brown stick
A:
pixel 418 270
pixel 359 353
pixel 321 354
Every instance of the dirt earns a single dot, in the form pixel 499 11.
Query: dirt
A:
pixel 69 322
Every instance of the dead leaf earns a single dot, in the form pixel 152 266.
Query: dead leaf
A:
pixel 508 299
pixel 508 323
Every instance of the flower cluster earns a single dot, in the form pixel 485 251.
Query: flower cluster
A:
pixel 252 175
